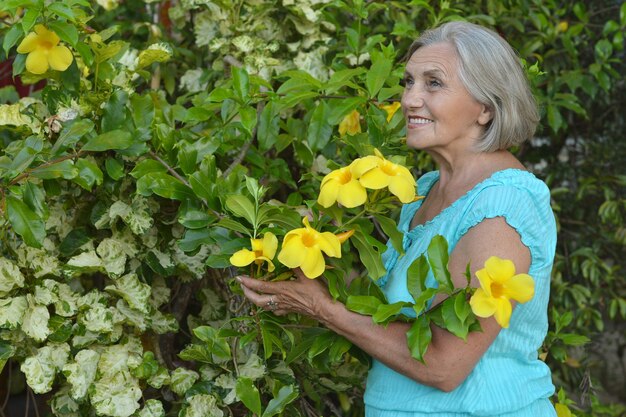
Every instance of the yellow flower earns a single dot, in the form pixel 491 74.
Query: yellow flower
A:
pixel 376 172
pixel 263 250
pixel 498 285
pixel 342 186
pixel 562 410
pixel 391 109
pixel 303 248
pixel 350 124
pixel 44 51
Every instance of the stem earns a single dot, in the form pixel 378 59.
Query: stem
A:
pixel 356 217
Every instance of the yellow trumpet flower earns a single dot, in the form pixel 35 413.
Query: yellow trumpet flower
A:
pixel 44 51
pixel 303 247
pixel 391 109
pixel 350 124
pixel 498 285
pixel 376 172
pixel 263 250
pixel 342 186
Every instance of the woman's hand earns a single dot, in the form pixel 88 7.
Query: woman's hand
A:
pixel 302 295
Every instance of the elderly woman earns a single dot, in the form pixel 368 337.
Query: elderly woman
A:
pixel 466 102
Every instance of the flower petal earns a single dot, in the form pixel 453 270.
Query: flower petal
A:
pixel 292 255
pixel 37 62
pixel 242 258
pixel 46 35
pixel 485 280
pixel 270 264
pixel 60 58
pixel 329 243
pixel 328 194
pixel 482 304
pixel 503 311
pixel 313 265
pixel 360 166
pixel 374 179
pixel 500 270
pixel 352 194
pixel 521 288
pixel 270 244
pixel 28 44
pixel 405 191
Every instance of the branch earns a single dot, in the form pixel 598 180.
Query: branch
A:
pixel 170 169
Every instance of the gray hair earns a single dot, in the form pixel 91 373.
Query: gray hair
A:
pixel 492 73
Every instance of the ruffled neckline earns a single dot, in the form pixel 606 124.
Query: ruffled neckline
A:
pixel 404 227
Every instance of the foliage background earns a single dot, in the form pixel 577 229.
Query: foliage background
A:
pixel 115 179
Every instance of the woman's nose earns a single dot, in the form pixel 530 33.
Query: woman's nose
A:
pixel 412 98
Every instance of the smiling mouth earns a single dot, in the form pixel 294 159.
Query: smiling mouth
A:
pixel 419 121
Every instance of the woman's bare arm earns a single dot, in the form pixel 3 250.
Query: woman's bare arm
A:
pixel 448 359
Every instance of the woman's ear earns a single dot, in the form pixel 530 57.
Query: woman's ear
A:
pixel 485 115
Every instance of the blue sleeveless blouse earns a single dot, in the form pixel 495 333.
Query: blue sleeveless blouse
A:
pixel 509 380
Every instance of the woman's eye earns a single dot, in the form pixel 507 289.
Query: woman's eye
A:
pixel 434 83
pixel 406 82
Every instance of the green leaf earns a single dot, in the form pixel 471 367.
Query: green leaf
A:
pixel 319 131
pixel 115 139
pixel 62 10
pixel 66 31
pixel 438 260
pixel 31 147
pixel 340 108
pixel 89 173
pixel 370 251
pixel 249 395
pixel 363 304
pixel 64 169
pixel 391 230
pixel 388 311
pixel 6 352
pixel 268 129
pixel 452 322
pixel 25 222
pixel 163 185
pixel 10 39
pixel 71 134
pixel 194 238
pixel 218 345
pixel 241 206
pixel 286 395
pixel 416 276
pixel 114 168
pixel 377 74
pixel 30 18
pixel 572 339
pixel 35 199
pixel 418 337
pixel 147 166
pixel 241 83
pixel 233 225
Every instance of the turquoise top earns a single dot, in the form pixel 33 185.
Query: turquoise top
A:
pixel 509 379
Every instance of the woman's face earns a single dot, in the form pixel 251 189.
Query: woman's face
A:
pixel 439 111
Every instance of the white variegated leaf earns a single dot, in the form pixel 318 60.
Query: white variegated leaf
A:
pixel 12 311
pixel 133 291
pixel 116 395
pixel 253 368
pixel 81 372
pixel 10 276
pixel 160 378
pixel 86 262
pixel 35 322
pixel 202 405
pixel 152 408
pixel 63 405
pixel 113 256
pixel 228 382
pixel 182 379
pixel 163 323
pixel 98 319
pixel 132 316
pixel 41 368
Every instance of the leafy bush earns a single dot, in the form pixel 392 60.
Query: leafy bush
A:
pixel 182 129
